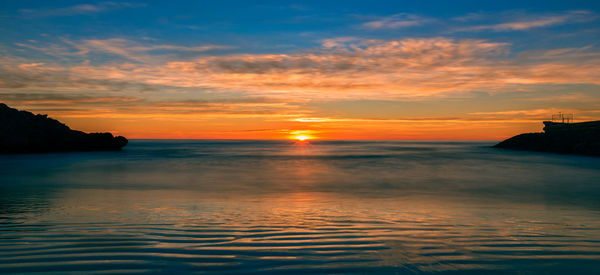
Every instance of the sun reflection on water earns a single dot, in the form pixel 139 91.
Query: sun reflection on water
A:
pixel 335 207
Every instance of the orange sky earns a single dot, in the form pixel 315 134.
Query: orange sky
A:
pixel 282 128
pixel 471 76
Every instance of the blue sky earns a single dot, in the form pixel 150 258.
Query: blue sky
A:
pixel 311 64
pixel 254 26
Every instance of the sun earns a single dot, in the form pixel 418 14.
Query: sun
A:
pixel 302 137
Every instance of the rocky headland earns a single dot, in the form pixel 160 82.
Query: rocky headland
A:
pixel 24 132
pixel 581 138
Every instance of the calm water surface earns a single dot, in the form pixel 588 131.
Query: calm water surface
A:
pixel 283 207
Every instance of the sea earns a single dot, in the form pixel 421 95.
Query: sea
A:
pixel 330 207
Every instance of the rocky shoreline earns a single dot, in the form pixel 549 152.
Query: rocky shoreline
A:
pixel 563 138
pixel 24 132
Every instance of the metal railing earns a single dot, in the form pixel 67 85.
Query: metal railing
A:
pixel 562 118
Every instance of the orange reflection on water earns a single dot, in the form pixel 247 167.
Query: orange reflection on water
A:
pixel 302 147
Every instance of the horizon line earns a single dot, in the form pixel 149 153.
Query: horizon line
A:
pixel 320 139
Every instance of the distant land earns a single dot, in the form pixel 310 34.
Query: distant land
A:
pixel 582 138
pixel 24 132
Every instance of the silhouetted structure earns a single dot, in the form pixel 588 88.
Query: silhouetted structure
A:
pixel 581 138
pixel 562 118
pixel 22 132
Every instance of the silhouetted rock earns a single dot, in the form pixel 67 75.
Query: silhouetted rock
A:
pixel 564 138
pixel 22 132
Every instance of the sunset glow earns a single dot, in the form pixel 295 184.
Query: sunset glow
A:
pixel 302 138
pixel 385 73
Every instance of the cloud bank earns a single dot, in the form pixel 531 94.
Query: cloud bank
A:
pixel 385 69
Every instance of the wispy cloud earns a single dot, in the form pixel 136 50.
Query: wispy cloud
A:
pixel 76 104
pixel 529 112
pixel 523 22
pixel 338 42
pixel 341 69
pixel 537 114
pixel 131 50
pixel 400 20
pixel 135 51
pixel 79 9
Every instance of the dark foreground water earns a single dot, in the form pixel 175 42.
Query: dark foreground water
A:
pixel 323 207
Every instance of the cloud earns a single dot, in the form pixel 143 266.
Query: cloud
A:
pixel 64 98
pixel 344 68
pixel 525 22
pixel 360 58
pixel 400 20
pixel 79 9
pixel 76 104
pixel 135 51
pixel 536 115
pixel 414 120
pixel 31 65
pixel 338 42
pixel 529 112
pixel 70 50
pixel 387 69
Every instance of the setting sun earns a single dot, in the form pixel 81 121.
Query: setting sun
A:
pixel 302 138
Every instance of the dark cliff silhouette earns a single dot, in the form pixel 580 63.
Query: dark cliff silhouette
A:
pixel 581 138
pixel 24 132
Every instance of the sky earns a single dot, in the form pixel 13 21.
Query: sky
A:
pixel 407 70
